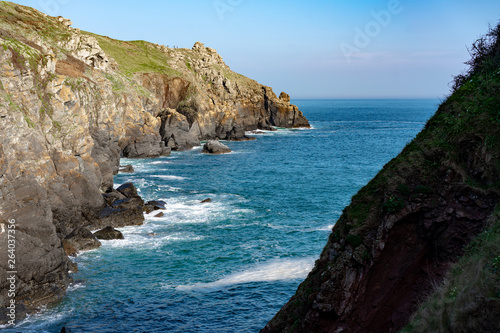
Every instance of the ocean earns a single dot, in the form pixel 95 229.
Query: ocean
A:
pixel 229 265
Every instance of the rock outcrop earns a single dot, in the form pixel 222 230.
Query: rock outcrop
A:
pixel 71 104
pixel 108 233
pixel 215 147
pixel 123 207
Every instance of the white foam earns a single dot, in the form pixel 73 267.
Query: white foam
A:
pixel 327 228
pixel 75 286
pixel 160 162
pixel 274 270
pixel 169 177
pixel 187 210
pixel 41 321
pixel 148 237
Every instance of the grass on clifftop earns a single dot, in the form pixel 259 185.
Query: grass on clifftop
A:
pixel 136 56
pixel 26 21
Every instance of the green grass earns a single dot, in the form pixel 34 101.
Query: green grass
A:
pixel 469 298
pixel 136 56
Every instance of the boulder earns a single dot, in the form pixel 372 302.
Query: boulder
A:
pixel 215 147
pixel 160 214
pixel 207 200
pixel 80 239
pixel 112 195
pixel 154 205
pixel 123 207
pixel 128 190
pixel 108 233
pixel 126 169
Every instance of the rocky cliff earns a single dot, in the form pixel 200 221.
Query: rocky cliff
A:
pixel 400 240
pixel 72 103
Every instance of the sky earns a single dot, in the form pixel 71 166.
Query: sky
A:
pixel 309 49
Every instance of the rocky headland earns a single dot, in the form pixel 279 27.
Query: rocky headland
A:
pixel 418 248
pixel 71 104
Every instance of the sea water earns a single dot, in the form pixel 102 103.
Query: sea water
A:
pixel 229 265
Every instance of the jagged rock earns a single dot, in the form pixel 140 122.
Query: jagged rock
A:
pixel 113 195
pixel 80 239
pixel 285 97
pixel 123 207
pixel 128 190
pixel 108 233
pixel 154 205
pixel 127 169
pixel 176 131
pixel 215 147
pixel 143 146
pixel 64 21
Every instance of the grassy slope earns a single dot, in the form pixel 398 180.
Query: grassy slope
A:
pixel 469 298
pixel 468 121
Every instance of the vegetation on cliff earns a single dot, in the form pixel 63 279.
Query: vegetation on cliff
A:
pixel 468 300
pixel 427 224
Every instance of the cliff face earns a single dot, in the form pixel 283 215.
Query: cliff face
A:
pixel 72 103
pixel 403 231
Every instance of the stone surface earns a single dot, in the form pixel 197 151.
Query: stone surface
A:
pixel 108 233
pixel 81 239
pixel 153 205
pixel 177 132
pixel 69 111
pixel 123 207
pixel 215 147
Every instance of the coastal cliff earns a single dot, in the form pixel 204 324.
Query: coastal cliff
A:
pixel 418 248
pixel 71 104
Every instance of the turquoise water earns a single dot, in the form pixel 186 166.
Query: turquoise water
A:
pixel 229 265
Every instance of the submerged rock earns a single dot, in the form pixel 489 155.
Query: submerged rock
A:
pixel 108 233
pixel 215 147
pixel 207 200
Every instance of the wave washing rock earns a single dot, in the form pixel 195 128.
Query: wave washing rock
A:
pixel 71 104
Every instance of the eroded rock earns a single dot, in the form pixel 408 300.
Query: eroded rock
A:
pixel 215 147
pixel 108 233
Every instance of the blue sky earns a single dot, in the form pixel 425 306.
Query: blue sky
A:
pixel 315 49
